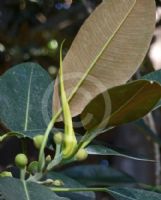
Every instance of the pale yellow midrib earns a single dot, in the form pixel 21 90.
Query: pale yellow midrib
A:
pixel 122 195
pixel 97 57
pixel 28 101
pixel 25 189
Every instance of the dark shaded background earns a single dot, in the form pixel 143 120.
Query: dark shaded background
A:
pixel 26 29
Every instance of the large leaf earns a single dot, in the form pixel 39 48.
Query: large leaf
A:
pixel 71 183
pixel 22 89
pixel 154 76
pixel 121 104
pixel 120 193
pixel 108 49
pixel 94 175
pixel 105 151
pixel 12 189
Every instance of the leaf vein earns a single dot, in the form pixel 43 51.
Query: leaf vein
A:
pixel 98 56
pixel 28 101
pixel 119 194
pixel 26 191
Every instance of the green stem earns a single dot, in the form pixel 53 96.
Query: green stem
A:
pixel 91 135
pixel 57 158
pixel 35 178
pixel 57 153
pixel 22 174
pixel 46 135
pixel 107 190
pixel 55 189
pixel 48 130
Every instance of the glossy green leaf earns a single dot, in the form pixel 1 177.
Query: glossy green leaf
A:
pixel 94 175
pixel 121 104
pixel 154 76
pixel 105 151
pixel 107 50
pixel 71 183
pixel 22 89
pixel 120 193
pixel 12 189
